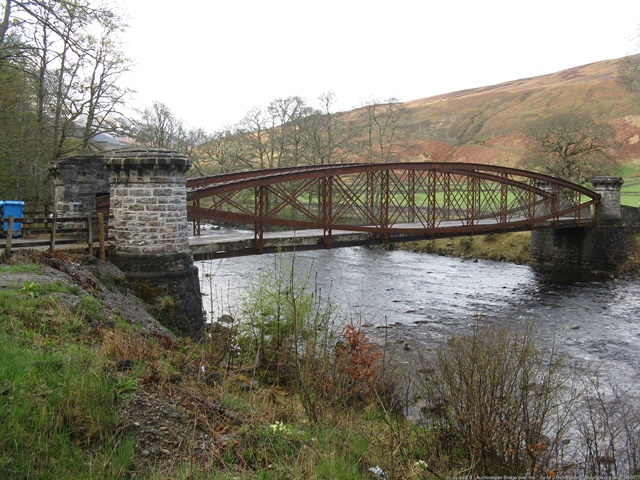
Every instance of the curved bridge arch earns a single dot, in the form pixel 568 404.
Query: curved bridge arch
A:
pixel 395 200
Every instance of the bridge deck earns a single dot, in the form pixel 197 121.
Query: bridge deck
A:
pixel 243 243
pixel 236 244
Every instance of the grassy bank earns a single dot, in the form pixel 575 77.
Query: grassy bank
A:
pixel 508 247
pixel 58 402
pixel 84 394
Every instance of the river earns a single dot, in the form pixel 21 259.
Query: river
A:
pixel 416 300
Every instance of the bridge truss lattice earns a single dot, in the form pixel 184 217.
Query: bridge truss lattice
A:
pixel 394 200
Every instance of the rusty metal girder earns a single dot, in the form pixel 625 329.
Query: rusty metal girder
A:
pixel 423 198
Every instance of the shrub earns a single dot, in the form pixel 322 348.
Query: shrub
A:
pixel 356 369
pixel 290 334
pixel 606 429
pixel 495 400
pixel 466 244
pixel 284 322
pixel 490 238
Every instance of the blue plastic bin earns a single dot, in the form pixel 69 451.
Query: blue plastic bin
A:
pixel 12 208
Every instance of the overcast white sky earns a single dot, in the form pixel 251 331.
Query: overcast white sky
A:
pixel 210 61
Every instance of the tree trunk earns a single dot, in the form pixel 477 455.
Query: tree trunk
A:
pixel 4 25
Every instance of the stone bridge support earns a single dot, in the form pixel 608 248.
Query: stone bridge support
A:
pixel 601 246
pixel 77 181
pixel 148 202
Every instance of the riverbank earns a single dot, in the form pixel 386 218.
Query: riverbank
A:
pixel 92 386
pixel 506 247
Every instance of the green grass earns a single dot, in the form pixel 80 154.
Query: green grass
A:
pixel 630 200
pixel 57 407
pixel 630 192
pixel 629 171
pixel 510 247
pixel 22 268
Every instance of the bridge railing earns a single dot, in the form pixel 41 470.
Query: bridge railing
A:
pixel 39 230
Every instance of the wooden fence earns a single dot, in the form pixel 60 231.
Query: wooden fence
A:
pixel 42 231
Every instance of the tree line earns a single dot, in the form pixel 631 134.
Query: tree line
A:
pixel 287 132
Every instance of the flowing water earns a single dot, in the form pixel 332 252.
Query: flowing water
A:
pixel 416 300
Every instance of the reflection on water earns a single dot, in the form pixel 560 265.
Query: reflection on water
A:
pixel 422 299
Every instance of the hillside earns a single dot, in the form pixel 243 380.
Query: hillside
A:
pixel 486 124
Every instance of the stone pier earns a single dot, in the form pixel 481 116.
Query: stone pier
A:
pixel 77 181
pixel 149 206
pixel 601 246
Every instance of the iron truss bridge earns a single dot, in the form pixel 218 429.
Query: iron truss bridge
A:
pixel 389 202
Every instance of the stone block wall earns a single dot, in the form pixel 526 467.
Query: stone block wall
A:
pixel 149 201
pixel 76 182
pixel 559 247
pixel 600 247
pixel 631 216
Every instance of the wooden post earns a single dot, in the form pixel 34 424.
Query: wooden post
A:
pixel 101 236
pixel 7 245
pixel 90 233
pixel 54 221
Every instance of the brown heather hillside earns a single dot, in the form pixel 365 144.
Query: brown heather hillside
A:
pixel 486 124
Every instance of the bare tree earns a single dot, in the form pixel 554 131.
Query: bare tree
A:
pixel 571 146
pixel 327 138
pixel 287 118
pixel 229 151
pixel 66 55
pixel 159 128
pixel 381 131
pixel 254 127
pixel 102 96
pixel 607 426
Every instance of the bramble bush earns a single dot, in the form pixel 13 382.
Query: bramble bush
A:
pixel 355 369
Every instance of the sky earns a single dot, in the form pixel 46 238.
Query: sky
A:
pixel 211 61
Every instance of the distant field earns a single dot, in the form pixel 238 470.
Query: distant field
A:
pixel 630 194
pixel 630 200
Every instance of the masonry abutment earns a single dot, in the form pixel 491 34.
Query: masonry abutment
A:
pixel 149 206
pixel 601 246
pixel 609 208
pixel 77 181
